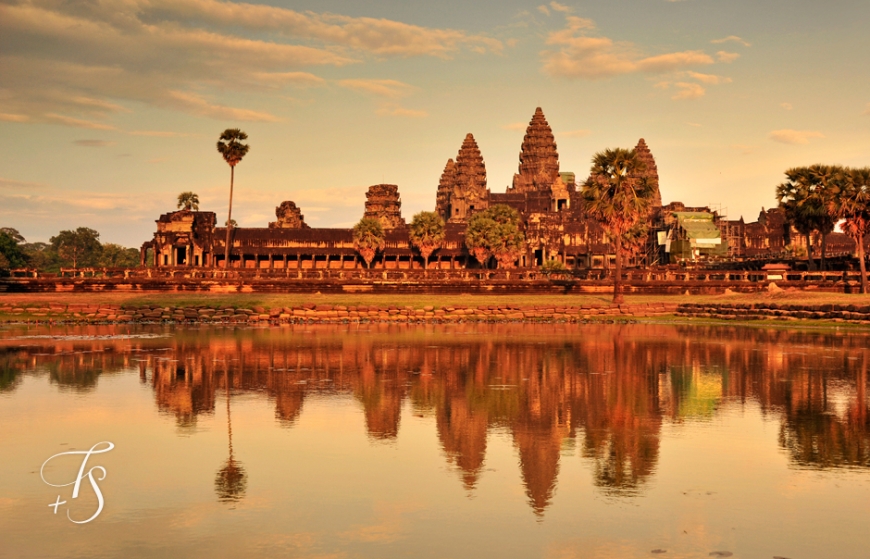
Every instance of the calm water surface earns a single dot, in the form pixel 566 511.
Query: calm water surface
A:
pixel 454 441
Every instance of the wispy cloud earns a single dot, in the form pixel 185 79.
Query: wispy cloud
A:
pixel 794 137
pixel 554 6
pixel 76 122
pixel 786 106
pixel 709 79
pixel 579 55
pixel 157 133
pixel 727 57
pixel 382 88
pixel 93 143
pixel 79 63
pixel 867 110
pixel 392 110
pixel 13 118
pixel 731 39
pixel 297 79
pixel 517 126
pixel 688 90
pixel 196 104
pixel 12 183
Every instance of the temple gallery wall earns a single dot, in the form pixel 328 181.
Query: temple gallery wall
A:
pixel 553 222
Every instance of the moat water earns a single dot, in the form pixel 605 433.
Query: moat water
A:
pixel 453 441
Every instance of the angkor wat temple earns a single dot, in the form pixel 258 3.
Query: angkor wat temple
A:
pixel 548 201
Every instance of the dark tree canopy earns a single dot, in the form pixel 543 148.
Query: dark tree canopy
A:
pixel 497 232
pixel 233 150
pixel 849 201
pixel 11 253
pixel 188 201
pixel 368 238
pixel 427 233
pixel 619 197
pixel 116 256
pixel 805 196
pixel 80 247
pixel 231 147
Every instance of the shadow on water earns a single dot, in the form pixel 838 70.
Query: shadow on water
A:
pixel 601 392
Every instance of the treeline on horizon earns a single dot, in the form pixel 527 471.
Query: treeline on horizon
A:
pixel 76 248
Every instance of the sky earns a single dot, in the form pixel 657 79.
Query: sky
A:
pixel 110 108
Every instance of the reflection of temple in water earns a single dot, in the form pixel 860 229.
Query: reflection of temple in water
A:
pixel 604 391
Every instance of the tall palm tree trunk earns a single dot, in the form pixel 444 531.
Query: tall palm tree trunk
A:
pixel 617 280
pixel 229 419
pixel 861 265
pixel 811 264
pixel 229 220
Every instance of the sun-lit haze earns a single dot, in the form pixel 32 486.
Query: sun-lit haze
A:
pixel 110 108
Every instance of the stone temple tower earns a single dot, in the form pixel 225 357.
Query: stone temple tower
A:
pixel 462 188
pixel 539 160
pixel 651 171
pixel 539 166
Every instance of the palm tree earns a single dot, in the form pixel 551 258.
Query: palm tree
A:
pixel 368 238
pixel 477 236
pixel 189 201
pixel 427 234
pixel 849 200
pixel 618 196
pixel 233 150
pixel 822 177
pixel 805 197
pixel 231 481
pixel 495 232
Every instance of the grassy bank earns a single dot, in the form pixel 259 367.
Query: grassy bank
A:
pixel 250 300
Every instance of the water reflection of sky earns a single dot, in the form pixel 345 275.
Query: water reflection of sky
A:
pixel 483 440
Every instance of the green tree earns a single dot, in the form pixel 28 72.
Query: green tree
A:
pixel 849 200
pixel 233 150
pixel 188 200
pixel 427 234
pixel 495 232
pixel 12 232
pixel 41 256
pixel 11 253
pixel 805 197
pixel 368 238
pixel 618 196
pixel 552 267
pixel 116 256
pixel 80 247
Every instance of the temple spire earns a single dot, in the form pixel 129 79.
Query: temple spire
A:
pixel 651 171
pixel 462 189
pixel 539 159
pixel 445 188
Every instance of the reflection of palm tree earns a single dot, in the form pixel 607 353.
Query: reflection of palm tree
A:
pixel 231 480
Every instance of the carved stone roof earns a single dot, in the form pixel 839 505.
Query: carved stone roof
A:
pixel 462 188
pixel 470 168
pixel 383 203
pixel 539 159
pixel 445 188
pixel 651 172
pixel 289 217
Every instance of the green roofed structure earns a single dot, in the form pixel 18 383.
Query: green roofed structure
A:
pixel 694 236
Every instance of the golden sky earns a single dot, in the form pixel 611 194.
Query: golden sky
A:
pixel 110 108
